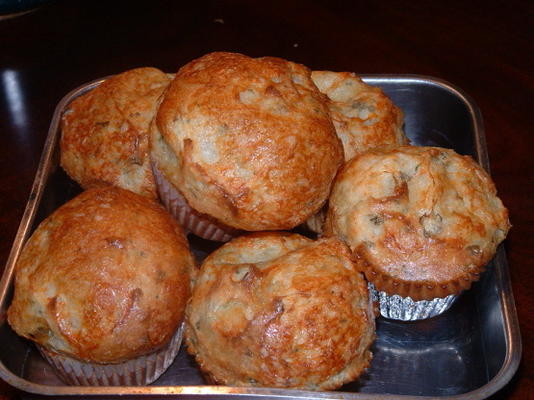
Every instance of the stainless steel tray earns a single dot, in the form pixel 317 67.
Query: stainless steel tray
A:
pixel 469 352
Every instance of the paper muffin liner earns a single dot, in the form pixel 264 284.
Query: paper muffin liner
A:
pixel 191 220
pixel 406 309
pixel 315 223
pixel 136 372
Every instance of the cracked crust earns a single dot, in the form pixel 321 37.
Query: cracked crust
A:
pixel 280 310
pixel 421 221
pixel 247 141
pixel 105 132
pixel 104 279
pixel 364 117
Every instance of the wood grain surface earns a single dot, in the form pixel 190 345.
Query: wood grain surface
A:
pixel 483 47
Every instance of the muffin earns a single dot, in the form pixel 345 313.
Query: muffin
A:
pixel 280 310
pixel 363 116
pixel 247 143
pixel 101 288
pixel 422 223
pixel 105 132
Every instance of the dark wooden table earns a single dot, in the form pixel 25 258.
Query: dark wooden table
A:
pixel 483 47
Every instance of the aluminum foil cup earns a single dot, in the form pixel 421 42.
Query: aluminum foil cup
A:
pixel 406 309
pixel 136 372
pixel 188 218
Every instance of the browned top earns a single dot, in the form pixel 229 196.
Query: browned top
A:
pixel 280 310
pixel 486 51
pixel 364 117
pixel 103 279
pixel 421 221
pixel 247 141
pixel 105 132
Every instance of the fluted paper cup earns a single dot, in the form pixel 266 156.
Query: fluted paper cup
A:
pixel 136 372
pixel 191 220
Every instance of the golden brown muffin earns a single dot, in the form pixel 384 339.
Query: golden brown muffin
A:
pixel 364 117
pixel 246 141
pixel 105 132
pixel 421 221
pixel 104 279
pixel 280 310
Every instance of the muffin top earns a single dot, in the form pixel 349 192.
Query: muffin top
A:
pixel 247 141
pixel 364 117
pixel 280 310
pixel 104 279
pixel 105 131
pixel 421 221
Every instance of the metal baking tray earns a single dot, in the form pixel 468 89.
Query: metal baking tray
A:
pixel 469 352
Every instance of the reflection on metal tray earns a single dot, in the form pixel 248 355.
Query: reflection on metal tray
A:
pixel 469 352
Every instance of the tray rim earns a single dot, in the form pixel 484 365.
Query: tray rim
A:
pixel 507 304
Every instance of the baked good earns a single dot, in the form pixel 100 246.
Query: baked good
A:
pixel 280 310
pixel 246 142
pixel 105 131
pixel 364 117
pixel 101 287
pixel 422 222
